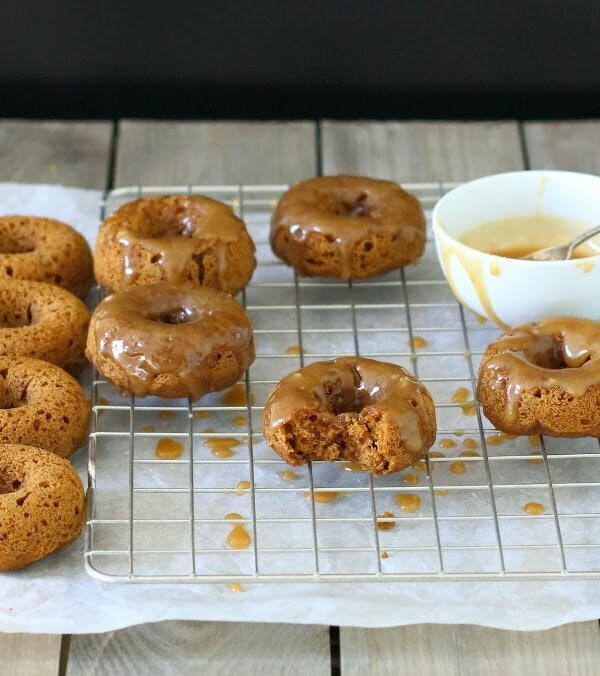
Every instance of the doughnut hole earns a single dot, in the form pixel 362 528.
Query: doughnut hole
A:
pixel 166 219
pixel 549 352
pixel 14 241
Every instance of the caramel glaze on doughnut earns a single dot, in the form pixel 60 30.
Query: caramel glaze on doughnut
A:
pixel 544 378
pixel 42 505
pixel 43 321
pixel 174 238
pixel 45 250
pixel 41 405
pixel 353 409
pixel 171 341
pixel 347 227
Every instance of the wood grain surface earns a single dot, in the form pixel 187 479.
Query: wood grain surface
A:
pixel 72 153
pixel 464 650
pixel 155 153
pixel 420 151
pixel 563 145
pixel 203 647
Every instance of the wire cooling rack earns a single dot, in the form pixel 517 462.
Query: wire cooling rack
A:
pixel 482 506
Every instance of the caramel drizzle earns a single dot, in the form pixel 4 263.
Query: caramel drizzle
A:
pixel 174 229
pixel 129 330
pixel 523 358
pixel 345 209
pixel 349 387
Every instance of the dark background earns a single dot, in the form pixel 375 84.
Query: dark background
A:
pixel 340 59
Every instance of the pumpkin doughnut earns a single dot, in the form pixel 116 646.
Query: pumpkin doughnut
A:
pixel 171 341
pixel 174 238
pixel 347 227
pixel 43 321
pixel 45 250
pixel 544 378
pixel 42 505
pixel 41 405
pixel 354 409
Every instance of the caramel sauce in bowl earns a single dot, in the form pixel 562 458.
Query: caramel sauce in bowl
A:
pixel 483 227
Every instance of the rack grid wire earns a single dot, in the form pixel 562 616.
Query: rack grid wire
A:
pixel 157 520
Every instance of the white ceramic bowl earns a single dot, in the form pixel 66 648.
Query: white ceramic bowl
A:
pixel 511 291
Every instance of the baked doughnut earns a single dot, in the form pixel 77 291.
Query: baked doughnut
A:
pixel 171 341
pixel 354 409
pixel 42 505
pixel 43 321
pixel 347 227
pixel 544 378
pixel 41 405
pixel 174 238
pixel 45 250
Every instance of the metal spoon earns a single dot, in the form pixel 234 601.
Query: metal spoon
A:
pixel 562 253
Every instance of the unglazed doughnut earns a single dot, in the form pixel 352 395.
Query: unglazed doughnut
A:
pixel 544 378
pixel 45 250
pixel 351 408
pixel 41 405
pixel 174 238
pixel 171 341
pixel 347 227
pixel 43 321
pixel 42 505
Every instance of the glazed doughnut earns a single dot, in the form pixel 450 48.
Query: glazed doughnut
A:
pixel 42 505
pixel 45 250
pixel 351 408
pixel 41 405
pixel 174 238
pixel 43 321
pixel 347 227
pixel 544 378
pixel 171 341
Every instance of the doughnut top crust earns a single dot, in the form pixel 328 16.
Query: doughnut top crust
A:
pixel 42 504
pixel 43 321
pixel 41 405
pixel 190 333
pixel 354 409
pixel 45 250
pixel 174 238
pixel 358 215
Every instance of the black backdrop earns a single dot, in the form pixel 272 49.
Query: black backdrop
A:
pixel 269 59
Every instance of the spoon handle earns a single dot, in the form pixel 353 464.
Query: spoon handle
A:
pixel 588 234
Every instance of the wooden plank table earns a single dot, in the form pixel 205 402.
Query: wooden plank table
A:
pixel 78 153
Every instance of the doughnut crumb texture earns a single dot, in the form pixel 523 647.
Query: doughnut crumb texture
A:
pixel 45 250
pixel 171 340
pixel 354 409
pixel 41 405
pixel 544 378
pixel 42 505
pixel 189 239
pixel 43 321
pixel 347 227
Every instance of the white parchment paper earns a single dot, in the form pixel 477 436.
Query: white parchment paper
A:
pixel 57 596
